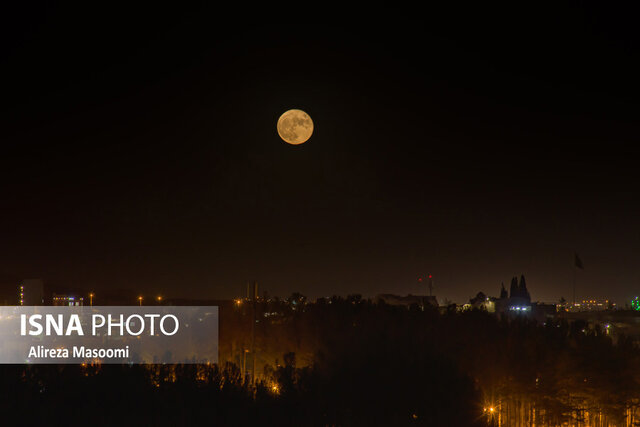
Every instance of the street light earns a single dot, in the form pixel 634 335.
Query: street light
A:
pixel 159 298
pixel 140 301
pixel 91 299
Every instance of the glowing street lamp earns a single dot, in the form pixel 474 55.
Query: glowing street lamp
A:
pixel 490 412
pixel 159 298
pixel 91 299
pixel 140 301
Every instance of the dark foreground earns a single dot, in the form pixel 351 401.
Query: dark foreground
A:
pixel 372 365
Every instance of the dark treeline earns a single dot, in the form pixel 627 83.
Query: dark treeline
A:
pixel 371 364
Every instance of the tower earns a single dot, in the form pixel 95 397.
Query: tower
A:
pixel 503 292
pixel 31 292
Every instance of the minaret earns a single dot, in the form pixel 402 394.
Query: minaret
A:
pixel 513 292
pixel 503 292
pixel 524 293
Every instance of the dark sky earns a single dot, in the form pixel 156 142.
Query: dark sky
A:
pixel 139 149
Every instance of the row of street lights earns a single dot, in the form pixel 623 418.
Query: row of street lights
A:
pixel 140 298
pixel 158 298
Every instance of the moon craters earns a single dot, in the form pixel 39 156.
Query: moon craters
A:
pixel 295 126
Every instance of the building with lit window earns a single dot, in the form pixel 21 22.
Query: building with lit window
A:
pixel 68 300
pixel 592 305
pixel 31 292
pixel 516 301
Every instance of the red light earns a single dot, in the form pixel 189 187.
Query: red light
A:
pixel 419 279
pixel 429 276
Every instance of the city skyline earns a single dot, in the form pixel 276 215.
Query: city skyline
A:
pixel 57 294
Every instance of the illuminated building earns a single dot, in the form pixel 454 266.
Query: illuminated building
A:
pixel 67 300
pixel 517 301
pixel 482 302
pixel 31 292
pixel 594 305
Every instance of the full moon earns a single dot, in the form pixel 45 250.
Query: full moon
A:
pixel 295 127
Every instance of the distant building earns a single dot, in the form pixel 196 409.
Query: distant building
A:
pixel 31 292
pixel 482 302
pixel 409 300
pixel 518 301
pixel 67 300
pixel 592 305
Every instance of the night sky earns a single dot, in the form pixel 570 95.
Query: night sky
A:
pixel 139 149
